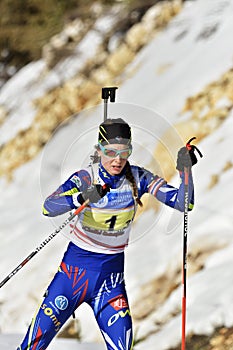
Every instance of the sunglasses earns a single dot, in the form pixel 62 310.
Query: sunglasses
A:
pixel 113 153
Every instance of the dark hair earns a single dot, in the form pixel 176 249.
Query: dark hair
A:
pixel 95 158
pixel 129 176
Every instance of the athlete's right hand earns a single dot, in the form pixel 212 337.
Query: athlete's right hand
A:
pixel 94 193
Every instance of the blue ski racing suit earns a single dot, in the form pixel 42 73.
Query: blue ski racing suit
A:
pixel 92 269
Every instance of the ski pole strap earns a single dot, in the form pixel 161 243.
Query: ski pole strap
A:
pixel 190 147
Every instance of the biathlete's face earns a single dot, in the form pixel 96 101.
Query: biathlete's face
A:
pixel 114 157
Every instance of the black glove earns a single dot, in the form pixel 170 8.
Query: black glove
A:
pixel 186 156
pixel 94 193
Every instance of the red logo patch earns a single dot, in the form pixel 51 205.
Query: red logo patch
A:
pixel 119 302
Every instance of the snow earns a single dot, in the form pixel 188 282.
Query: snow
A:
pixel 192 63
pixel 151 102
pixel 33 80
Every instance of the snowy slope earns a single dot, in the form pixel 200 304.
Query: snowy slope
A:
pixel 150 102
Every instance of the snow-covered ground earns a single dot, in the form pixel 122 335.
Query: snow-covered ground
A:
pixel 150 102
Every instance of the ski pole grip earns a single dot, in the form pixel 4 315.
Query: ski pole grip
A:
pixel 87 201
pixel 79 209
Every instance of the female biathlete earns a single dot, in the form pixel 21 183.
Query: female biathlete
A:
pixel 92 269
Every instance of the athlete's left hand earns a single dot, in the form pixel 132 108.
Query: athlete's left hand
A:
pixel 186 157
pixel 94 193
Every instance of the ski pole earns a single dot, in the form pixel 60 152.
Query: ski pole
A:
pixel 185 234
pixel 44 243
pixel 106 93
pixel 184 267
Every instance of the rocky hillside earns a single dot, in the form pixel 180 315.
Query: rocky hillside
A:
pixel 116 47
pixel 27 26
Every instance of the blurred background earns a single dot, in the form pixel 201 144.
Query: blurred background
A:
pixel 172 62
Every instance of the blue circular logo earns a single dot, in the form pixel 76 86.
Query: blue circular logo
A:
pixel 61 302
